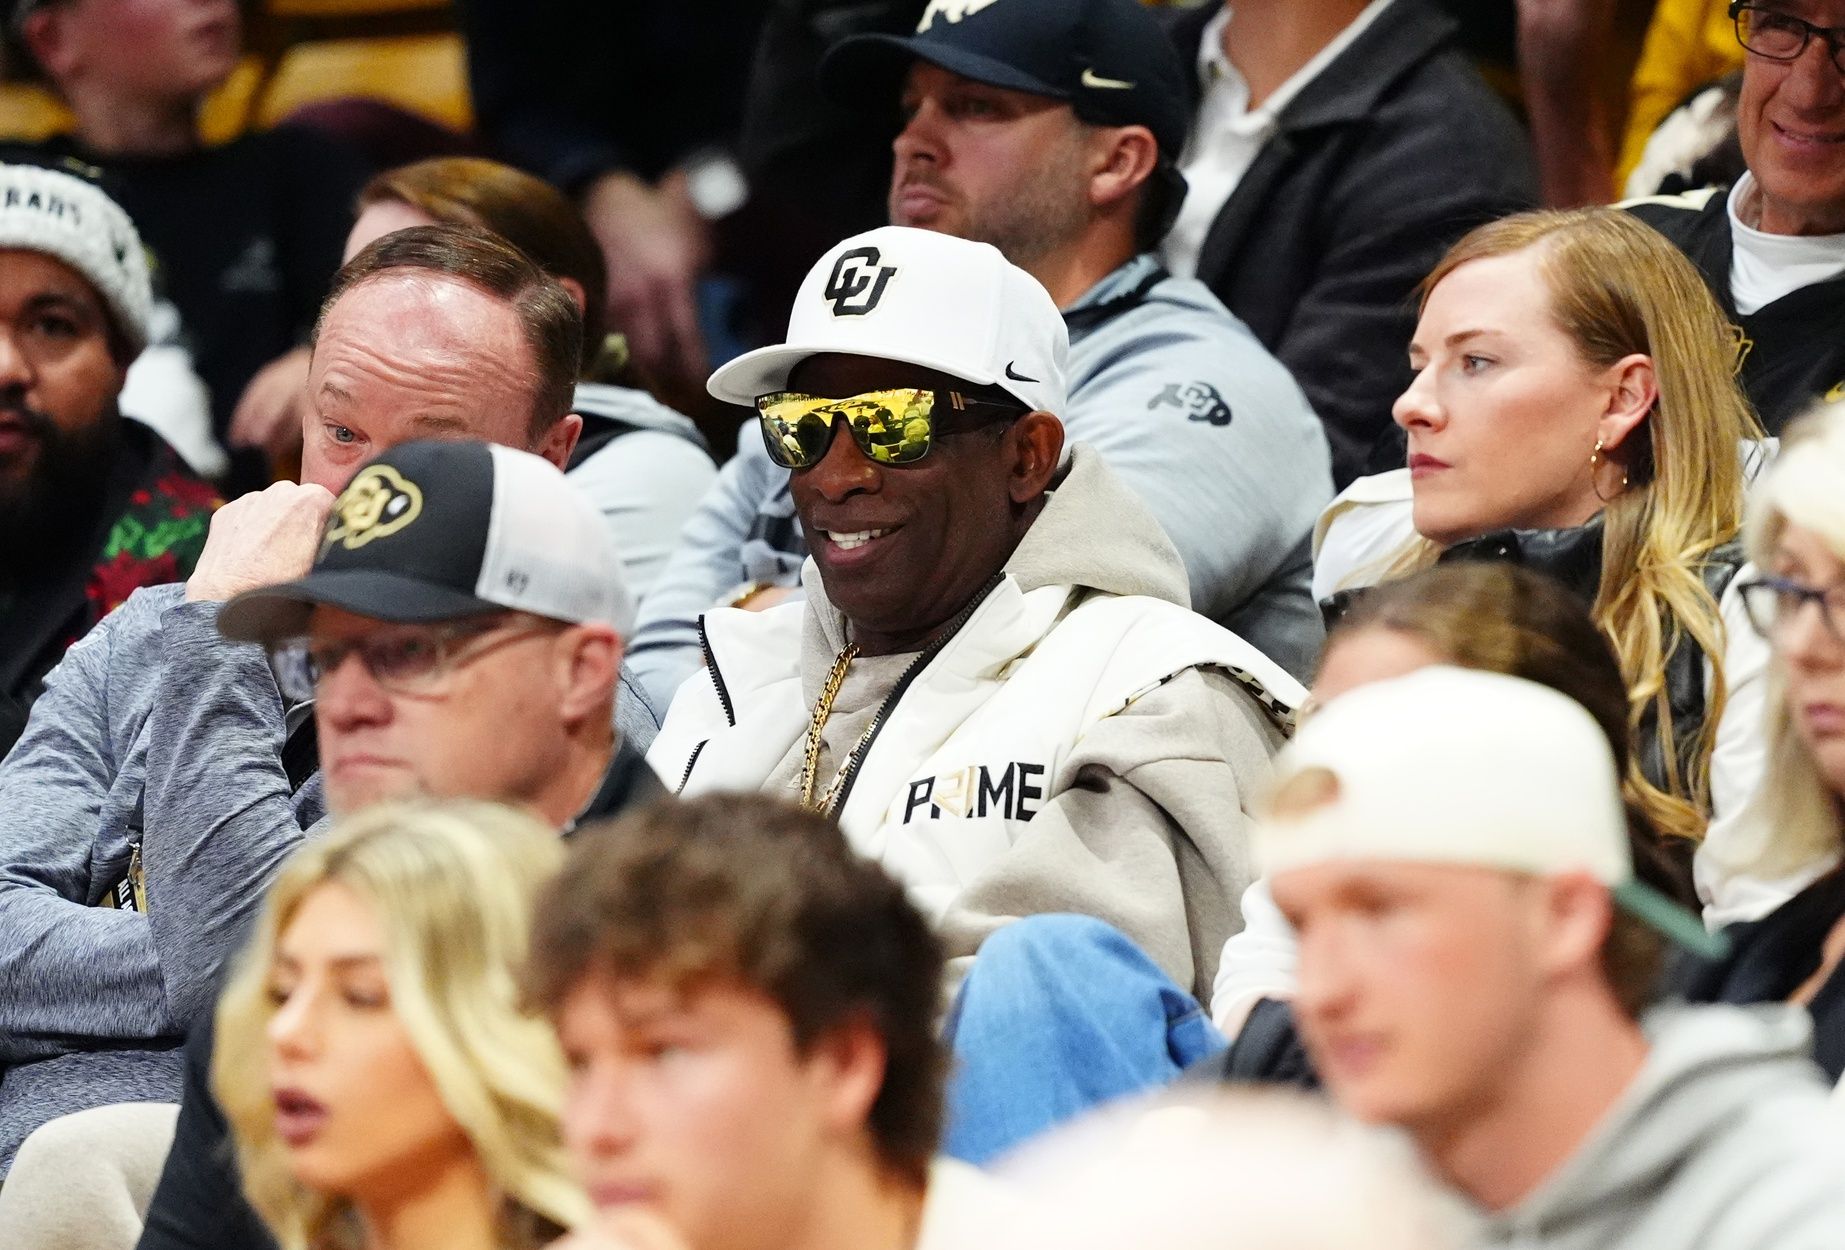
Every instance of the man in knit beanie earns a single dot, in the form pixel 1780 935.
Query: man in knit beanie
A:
pixel 91 505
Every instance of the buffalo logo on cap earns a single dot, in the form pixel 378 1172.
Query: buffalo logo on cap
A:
pixel 857 282
pixel 379 502
pixel 950 11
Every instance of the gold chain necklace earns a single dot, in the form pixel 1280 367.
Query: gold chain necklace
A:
pixel 823 708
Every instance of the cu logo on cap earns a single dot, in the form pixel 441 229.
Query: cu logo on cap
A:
pixel 857 282
pixel 379 502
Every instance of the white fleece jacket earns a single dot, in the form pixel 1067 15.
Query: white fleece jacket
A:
pixel 1083 743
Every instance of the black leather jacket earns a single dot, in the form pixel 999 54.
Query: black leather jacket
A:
pixel 1573 558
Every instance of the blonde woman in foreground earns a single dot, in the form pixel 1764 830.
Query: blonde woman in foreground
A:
pixel 1575 411
pixel 384 1087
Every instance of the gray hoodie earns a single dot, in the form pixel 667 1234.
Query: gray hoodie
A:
pixel 646 479
pixel 1725 1141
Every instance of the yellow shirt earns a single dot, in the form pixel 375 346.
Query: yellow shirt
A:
pixel 1689 43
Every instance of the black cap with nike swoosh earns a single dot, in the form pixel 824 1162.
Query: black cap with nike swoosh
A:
pixel 1110 59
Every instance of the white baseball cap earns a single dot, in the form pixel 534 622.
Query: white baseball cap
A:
pixel 46 210
pixel 1461 766
pixel 922 298
pixel 446 529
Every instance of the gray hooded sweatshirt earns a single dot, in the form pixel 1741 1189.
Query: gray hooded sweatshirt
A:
pixel 1726 1140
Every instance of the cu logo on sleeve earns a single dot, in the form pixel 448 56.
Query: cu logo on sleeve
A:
pixel 857 282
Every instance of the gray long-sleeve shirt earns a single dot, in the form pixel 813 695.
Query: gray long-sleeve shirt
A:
pixel 93 999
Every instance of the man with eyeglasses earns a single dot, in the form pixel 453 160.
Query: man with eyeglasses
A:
pixel 1773 247
pixel 994 685
pixel 457 639
pixel 432 332
pixel 456 636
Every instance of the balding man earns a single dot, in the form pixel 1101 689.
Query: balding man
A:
pixel 432 332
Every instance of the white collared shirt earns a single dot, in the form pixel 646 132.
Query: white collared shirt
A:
pixel 1227 133
pixel 1764 267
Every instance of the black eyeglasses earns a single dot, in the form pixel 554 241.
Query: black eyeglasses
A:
pixel 410 659
pixel 1782 36
pixel 1773 602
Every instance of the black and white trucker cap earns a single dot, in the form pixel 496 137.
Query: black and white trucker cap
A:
pixel 442 530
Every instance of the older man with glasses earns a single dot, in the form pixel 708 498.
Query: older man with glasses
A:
pixel 995 684
pixel 456 638
pixel 1773 247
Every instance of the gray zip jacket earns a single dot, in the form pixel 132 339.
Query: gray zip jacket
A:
pixel 1725 1141
pixel 1191 412
pixel 646 479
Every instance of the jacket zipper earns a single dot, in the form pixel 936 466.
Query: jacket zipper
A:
pixel 690 764
pixel 903 683
pixel 717 676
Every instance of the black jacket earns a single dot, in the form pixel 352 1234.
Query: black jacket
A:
pixel 1384 160
pixel 199 1203
pixel 1772 957
pixel 1794 348
pixel 1573 558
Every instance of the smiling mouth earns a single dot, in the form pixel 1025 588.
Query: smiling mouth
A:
pixel 1807 136
pixel 852 541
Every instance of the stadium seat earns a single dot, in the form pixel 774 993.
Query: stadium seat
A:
pixel 425 74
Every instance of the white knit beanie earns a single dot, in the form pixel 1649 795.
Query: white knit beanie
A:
pixel 43 210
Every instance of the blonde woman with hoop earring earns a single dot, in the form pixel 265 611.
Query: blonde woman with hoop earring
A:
pixel 1575 411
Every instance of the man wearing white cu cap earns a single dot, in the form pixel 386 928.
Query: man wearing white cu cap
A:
pixel 1476 957
pixel 995 685
pixel 92 506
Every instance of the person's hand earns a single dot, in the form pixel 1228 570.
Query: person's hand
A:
pixel 266 537
pixel 268 417
pixel 656 246
pixel 627 1228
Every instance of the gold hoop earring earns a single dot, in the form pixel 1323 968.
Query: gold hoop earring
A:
pixel 1595 463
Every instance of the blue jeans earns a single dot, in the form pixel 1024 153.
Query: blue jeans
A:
pixel 1060 1014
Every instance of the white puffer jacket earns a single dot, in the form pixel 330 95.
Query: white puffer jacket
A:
pixel 1079 744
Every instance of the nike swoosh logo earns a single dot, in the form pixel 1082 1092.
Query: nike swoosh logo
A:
pixel 1092 79
pixel 1017 377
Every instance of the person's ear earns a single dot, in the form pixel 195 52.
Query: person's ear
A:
pixel 574 290
pixel 560 440
pixel 1633 390
pixel 47 33
pixel 1125 158
pixel 846 1066
pixel 586 667
pixel 1036 440
pixel 1575 914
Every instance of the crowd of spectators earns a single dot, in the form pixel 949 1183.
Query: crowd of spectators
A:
pixel 929 625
